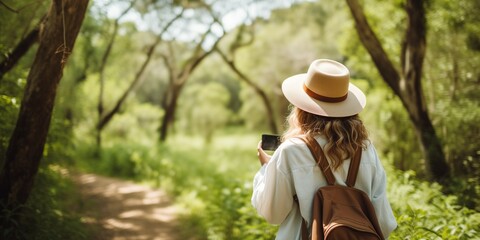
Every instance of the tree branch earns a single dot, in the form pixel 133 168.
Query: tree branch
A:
pixel 105 57
pixel 257 88
pixel 8 7
pixel 107 117
pixel 21 49
pixel 239 38
pixel 374 47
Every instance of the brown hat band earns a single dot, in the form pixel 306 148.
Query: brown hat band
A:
pixel 324 98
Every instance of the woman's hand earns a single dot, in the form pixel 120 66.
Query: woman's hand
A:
pixel 263 157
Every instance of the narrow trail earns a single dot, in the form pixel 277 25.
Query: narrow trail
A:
pixel 120 210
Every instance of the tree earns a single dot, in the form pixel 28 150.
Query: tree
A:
pixel 103 64
pixel 230 61
pixel 180 72
pixel 406 82
pixel 105 118
pixel 25 149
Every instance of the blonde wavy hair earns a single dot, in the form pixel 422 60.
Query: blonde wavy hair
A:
pixel 344 135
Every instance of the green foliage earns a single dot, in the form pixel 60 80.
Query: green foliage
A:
pixel 451 86
pixel 460 118
pixel 8 109
pixel 204 108
pixel 48 213
pixel 15 25
pixel 423 212
pixel 251 111
pixel 140 123
pixel 11 94
pixel 120 157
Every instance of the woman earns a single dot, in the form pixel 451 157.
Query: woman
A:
pixel 326 107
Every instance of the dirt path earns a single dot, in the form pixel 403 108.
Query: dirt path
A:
pixel 118 209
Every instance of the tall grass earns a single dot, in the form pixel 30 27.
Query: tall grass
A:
pixel 213 185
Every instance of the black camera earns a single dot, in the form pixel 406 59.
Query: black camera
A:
pixel 270 142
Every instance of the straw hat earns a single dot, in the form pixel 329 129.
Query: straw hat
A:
pixel 325 90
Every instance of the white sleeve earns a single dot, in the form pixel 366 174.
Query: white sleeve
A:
pixel 380 201
pixel 273 191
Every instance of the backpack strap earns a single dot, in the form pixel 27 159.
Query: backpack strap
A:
pixel 320 158
pixel 353 168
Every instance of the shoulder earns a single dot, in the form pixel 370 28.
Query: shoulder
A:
pixel 290 148
pixel 296 144
pixel 370 153
pixel 292 144
pixel 291 154
pixel 370 157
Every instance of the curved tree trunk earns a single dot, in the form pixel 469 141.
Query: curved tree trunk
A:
pixel 406 83
pixel 179 78
pixel 266 102
pixel 28 138
pixel 103 64
pixel 413 55
pixel 240 41
pixel 170 107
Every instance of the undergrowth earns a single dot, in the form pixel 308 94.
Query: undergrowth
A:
pixel 212 183
pixel 48 214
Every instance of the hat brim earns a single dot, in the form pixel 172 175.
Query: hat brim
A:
pixel 292 89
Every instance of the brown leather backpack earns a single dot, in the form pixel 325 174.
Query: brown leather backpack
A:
pixel 340 212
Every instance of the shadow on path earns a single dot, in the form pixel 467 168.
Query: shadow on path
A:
pixel 118 209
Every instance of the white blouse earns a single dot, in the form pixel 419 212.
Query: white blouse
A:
pixel 292 170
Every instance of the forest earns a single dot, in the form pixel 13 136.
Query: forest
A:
pixel 175 94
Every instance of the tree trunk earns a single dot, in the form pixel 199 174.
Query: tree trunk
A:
pixel 413 55
pixel 407 84
pixel 170 107
pixel 28 138
pixel 170 101
pixel 435 165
